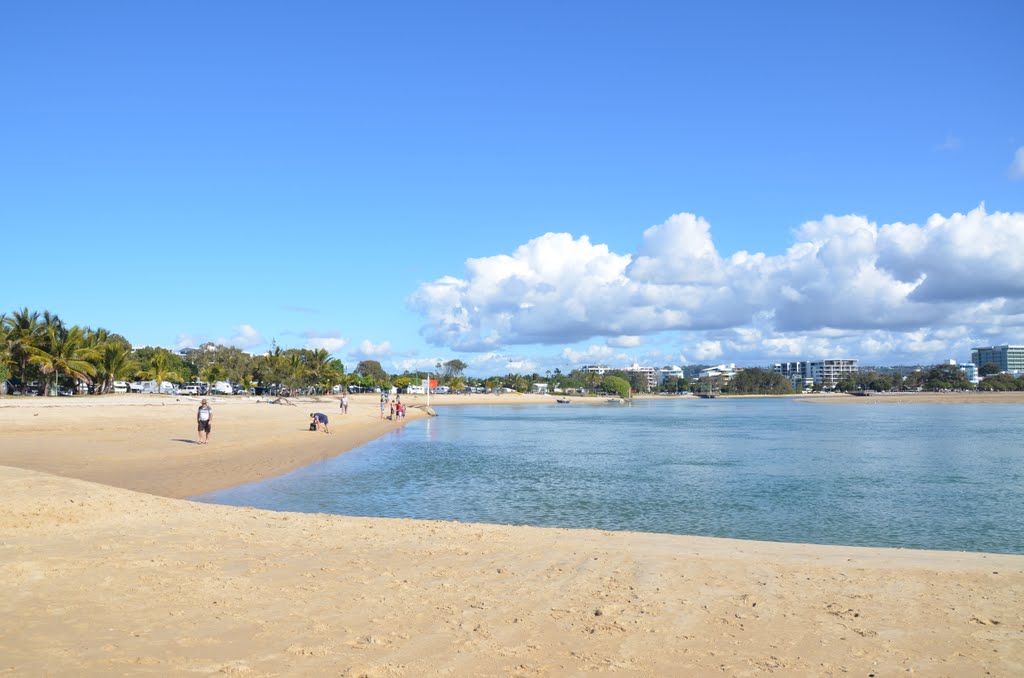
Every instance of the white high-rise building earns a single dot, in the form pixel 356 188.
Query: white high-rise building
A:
pixel 649 373
pixel 824 372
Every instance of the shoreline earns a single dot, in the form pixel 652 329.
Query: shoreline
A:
pixel 98 579
pixel 144 442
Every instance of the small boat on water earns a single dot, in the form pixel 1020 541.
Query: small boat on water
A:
pixel 618 401
pixel 563 401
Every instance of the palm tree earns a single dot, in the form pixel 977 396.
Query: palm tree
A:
pixel 112 357
pixel 64 353
pixel 212 374
pixel 115 362
pixel 270 368
pixel 160 368
pixel 24 331
pixel 295 369
pixel 332 374
pixel 5 356
pixel 347 379
pixel 317 365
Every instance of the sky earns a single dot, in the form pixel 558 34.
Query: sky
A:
pixel 523 186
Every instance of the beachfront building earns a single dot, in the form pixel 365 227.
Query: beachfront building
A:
pixel 829 372
pixel 1009 358
pixel 797 373
pixel 649 374
pixel 596 369
pixel 538 387
pixel 806 373
pixel 725 371
pixel 970 371
pixel 669 372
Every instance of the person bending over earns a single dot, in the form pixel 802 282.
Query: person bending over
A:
pixel 320 421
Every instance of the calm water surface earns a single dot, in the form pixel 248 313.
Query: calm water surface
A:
pixel 914 476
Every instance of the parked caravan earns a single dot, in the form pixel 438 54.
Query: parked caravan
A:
pixel 223 388
pixel 150 386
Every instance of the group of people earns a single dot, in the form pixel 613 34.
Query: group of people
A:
pixel 319 420
pixel 395 409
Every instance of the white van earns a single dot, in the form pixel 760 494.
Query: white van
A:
pixel 121 387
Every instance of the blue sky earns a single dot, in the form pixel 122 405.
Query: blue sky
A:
pixel 523 186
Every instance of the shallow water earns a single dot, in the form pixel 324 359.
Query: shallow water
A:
pixel 914 476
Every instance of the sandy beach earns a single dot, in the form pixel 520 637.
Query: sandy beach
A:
pixel 106 570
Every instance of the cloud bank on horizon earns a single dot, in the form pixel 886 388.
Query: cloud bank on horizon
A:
pixel 846 287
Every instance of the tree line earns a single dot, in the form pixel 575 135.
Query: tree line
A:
pixel 934 378
pixel 40 353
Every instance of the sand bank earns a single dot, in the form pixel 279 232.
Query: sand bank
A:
pixel 147 442
pixel 100 580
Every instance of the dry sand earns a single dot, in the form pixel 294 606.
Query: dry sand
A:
pixel 96 579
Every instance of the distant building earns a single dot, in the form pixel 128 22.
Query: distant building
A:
pixel 538 388
pixel 596 369
pixel 1009 358
pixel 798 374
pixel 727 371
pixel 829 372
pixel 970 371
pixel 670 372
pixel 650 374
pixel 808 372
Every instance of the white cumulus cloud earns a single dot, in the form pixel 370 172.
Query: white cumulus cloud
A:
pixel 184 340
pixel 590 355
pixel 844 284
pixel 708 350
pixel 330 344
pixel 367 350
pixel 625 341
pixel 246 337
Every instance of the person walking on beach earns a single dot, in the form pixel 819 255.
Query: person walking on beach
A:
pixel 320 421
pixel 204 416
pixel 344 403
